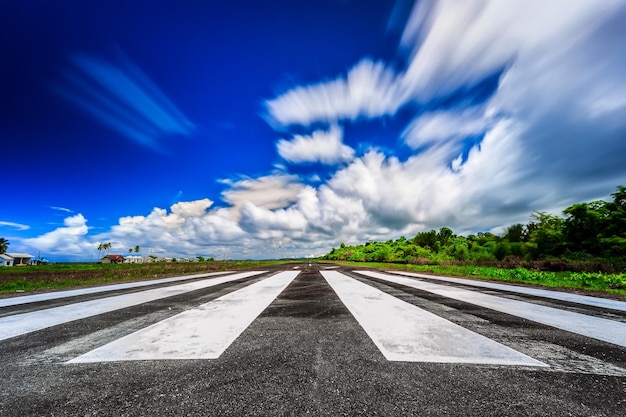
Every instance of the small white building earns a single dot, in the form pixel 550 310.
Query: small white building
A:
pixel 5 260
pixel 133 259
pixel 20 258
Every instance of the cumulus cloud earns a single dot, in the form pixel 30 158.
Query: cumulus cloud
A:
pixel 271 191
pixel 325 147
pixel 68 240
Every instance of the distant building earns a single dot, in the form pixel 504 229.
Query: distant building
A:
pixel 112 259
pixel 133 259
pixel 5 260
pixel 19 259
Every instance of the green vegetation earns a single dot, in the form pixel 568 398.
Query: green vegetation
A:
pixel 584 249
pixel 4 245
pixel 65 275
pixel 587 281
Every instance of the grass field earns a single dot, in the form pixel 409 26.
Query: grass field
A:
pixel 582 281
pixel 66 275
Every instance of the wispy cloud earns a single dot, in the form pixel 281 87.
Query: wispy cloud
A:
pixel 61 209
pixel 122 97
pixel 370 89
pixel 18 226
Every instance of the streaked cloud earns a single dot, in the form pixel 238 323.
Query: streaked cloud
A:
pixel 436 127
pixel 122 97
pixel 370 89
pixel 66 210
pixel 17 226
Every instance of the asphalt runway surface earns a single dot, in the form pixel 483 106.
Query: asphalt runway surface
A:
pixel 312 339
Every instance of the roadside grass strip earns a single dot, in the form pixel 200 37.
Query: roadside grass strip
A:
pixel 404 332
pixel 594 327
pixel 20 324
pixel 26 299
pixel 555 295
pixel 204 332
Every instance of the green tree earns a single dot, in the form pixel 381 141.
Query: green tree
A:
pixel 583 226
pixel 137 249
pixel 4 245
pixel 502 250
pixel 425 239
pixel 515 233
pixel 444 235
pixel 548 235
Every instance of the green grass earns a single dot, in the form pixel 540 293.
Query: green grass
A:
pixel 586 281
pixel 33 278
pixel 57 276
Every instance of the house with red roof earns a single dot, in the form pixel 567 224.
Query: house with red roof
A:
pixel 112 259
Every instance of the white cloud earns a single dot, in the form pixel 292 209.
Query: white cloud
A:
pixel 61 209
pixel 444 125
pixel 18 226
pixel 68 240
pixel 322 146
pixel 370 89
pixel 271 191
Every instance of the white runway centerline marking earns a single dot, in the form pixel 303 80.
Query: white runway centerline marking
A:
pixel 26 299
pixel 555 295
pixel 204 332
pixel 20 324
pixel 594 327
pixel 404 332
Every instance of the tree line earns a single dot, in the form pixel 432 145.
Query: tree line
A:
pixel 592 232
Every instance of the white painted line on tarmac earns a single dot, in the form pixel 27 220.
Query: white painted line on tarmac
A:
pixel 555 295
pixel 594 327
pixel 404 332
pixel 25 299
pixel 20 324
pixel 204 332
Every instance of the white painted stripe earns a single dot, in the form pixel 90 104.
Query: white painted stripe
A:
pixel 204 332
pixel 555 295
pixel 595 327
pixel 404 332
pixel 19 324
pixel 26 299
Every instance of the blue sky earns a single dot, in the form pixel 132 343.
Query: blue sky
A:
pixel 253 129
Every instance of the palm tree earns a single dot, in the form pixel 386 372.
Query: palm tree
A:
pixel 107 246
pixel 137 249
pixel 4 244
pixel 100 249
